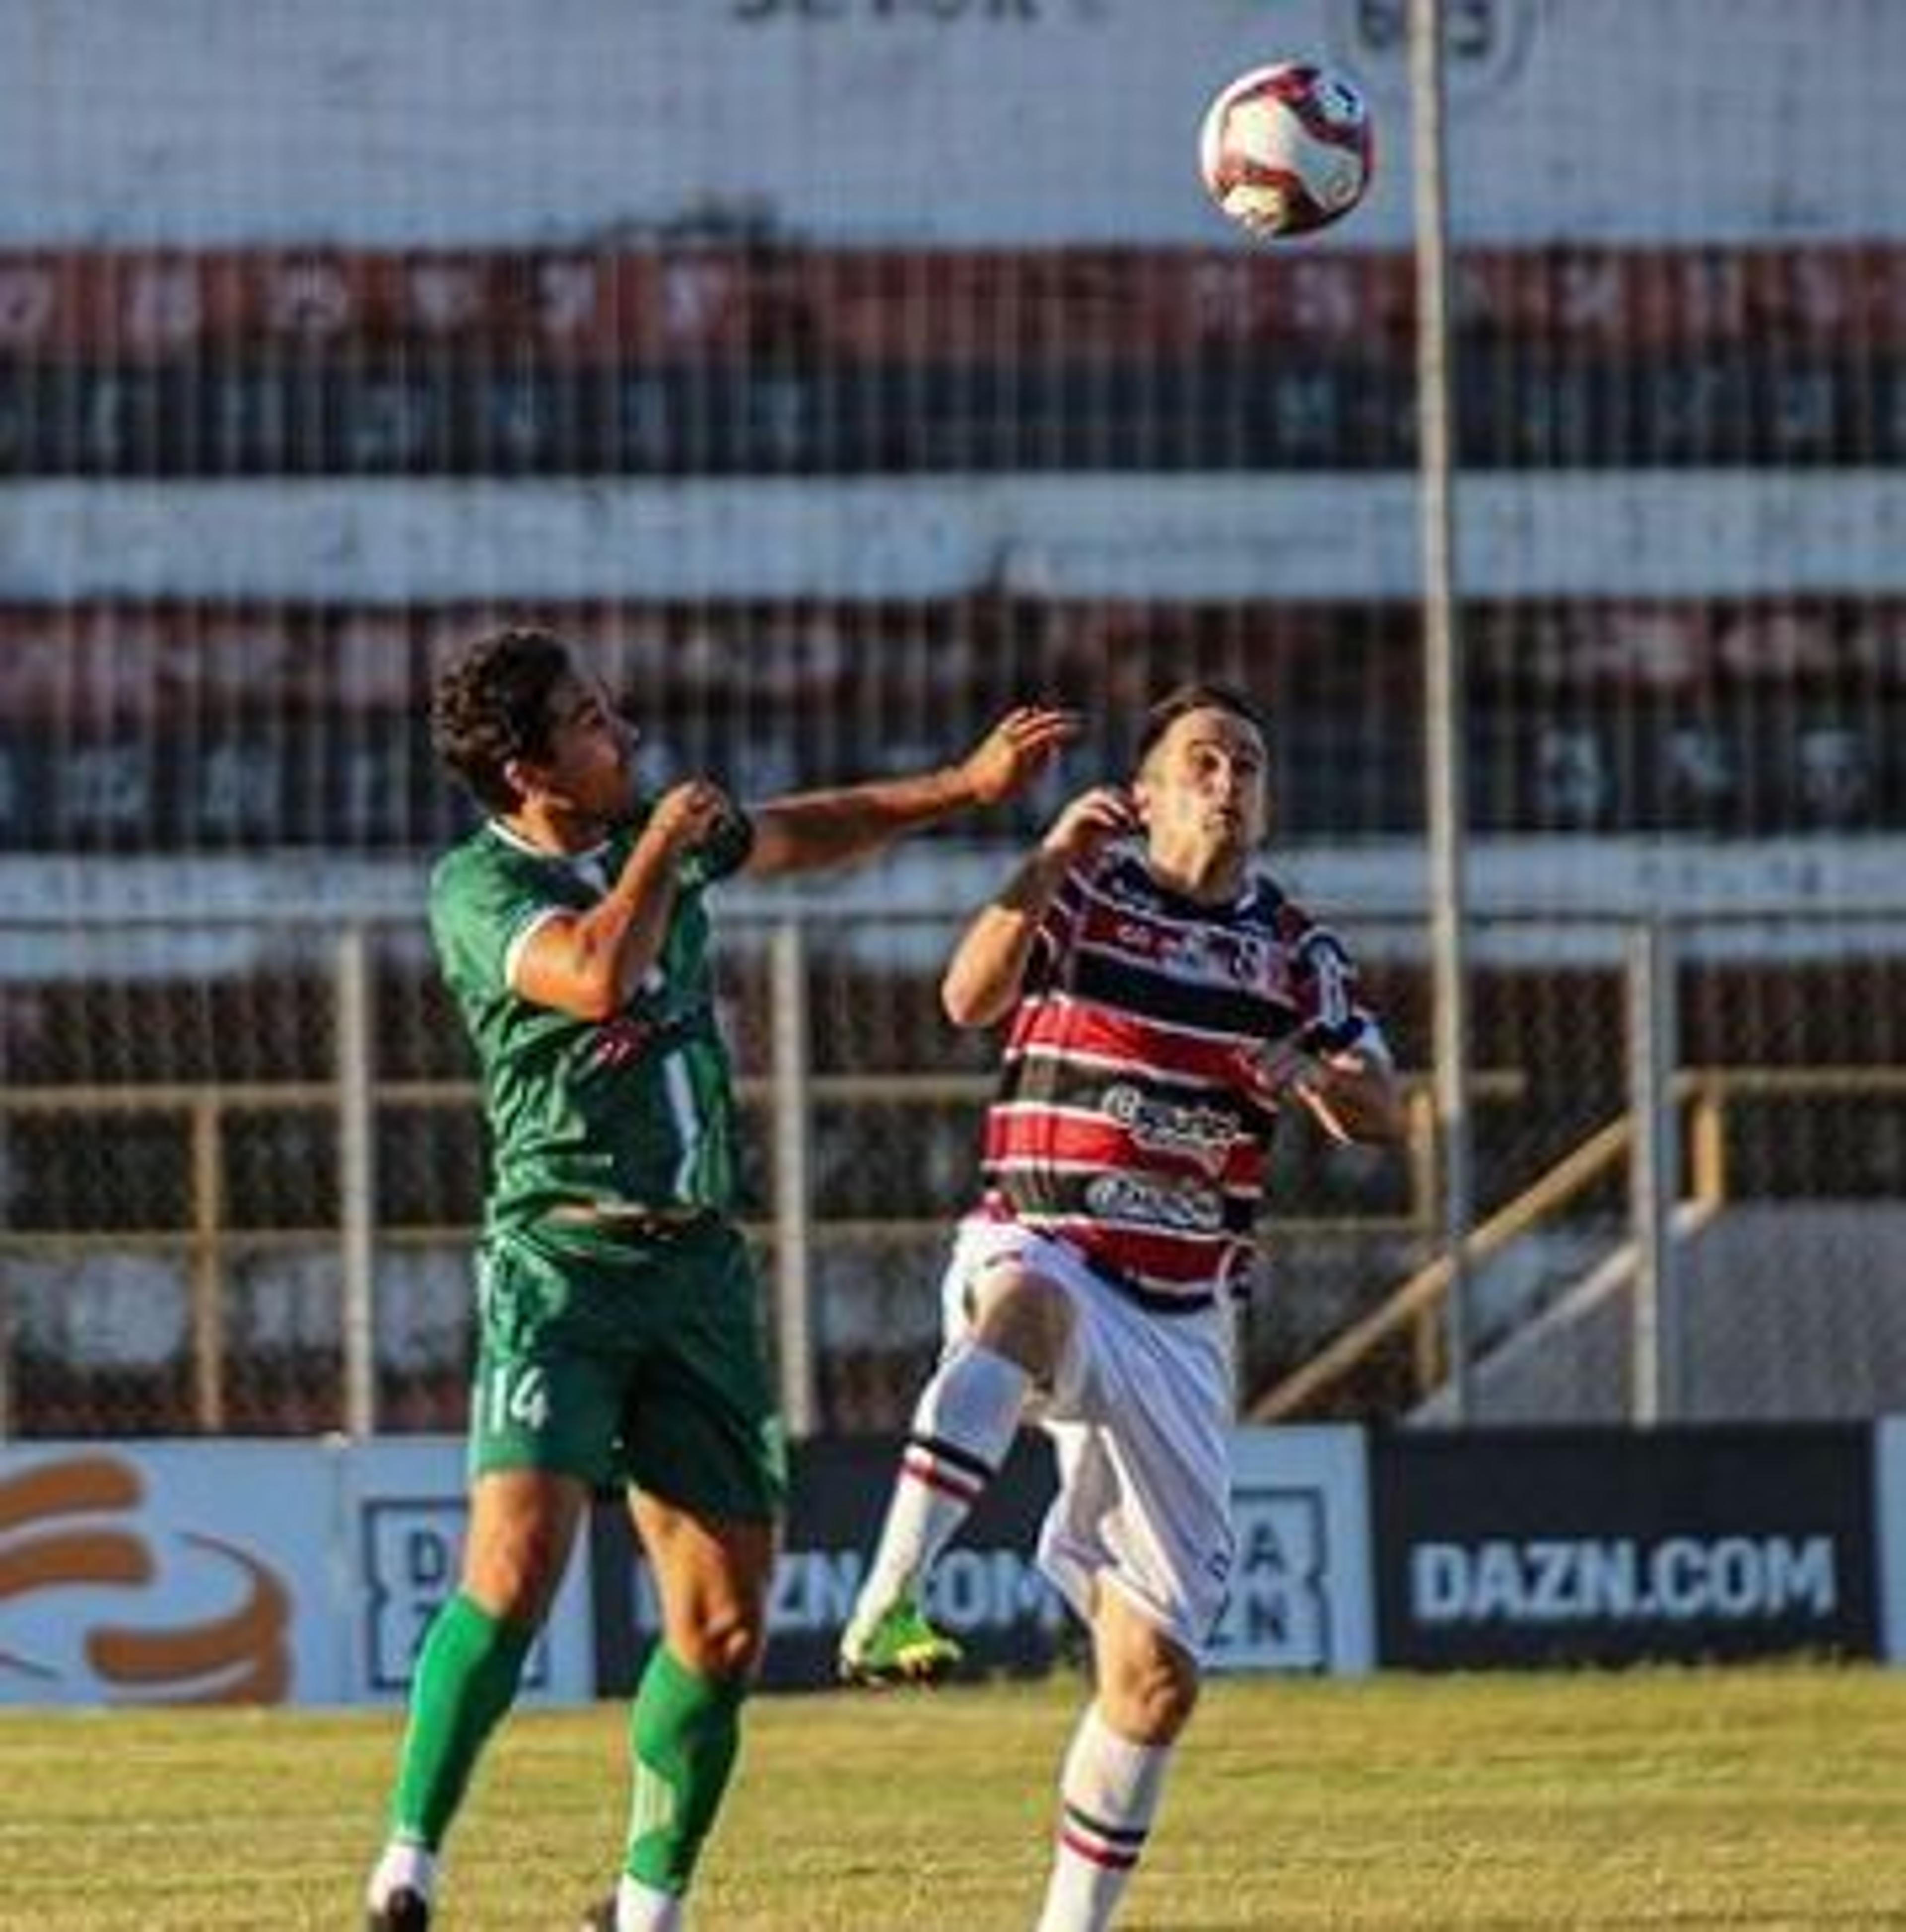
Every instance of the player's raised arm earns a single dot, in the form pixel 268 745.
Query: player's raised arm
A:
pixel 588 965
pixel 808 830
pixel 984 977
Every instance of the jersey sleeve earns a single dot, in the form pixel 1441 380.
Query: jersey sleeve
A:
pixel 481 914
pixel 1331 1015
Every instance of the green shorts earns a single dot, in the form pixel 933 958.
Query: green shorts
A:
pixel 628 1362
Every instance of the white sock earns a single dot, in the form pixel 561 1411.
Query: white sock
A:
pixel 641 1908
pixel 403 1863
pixel 963 1425
pixel 1108 1795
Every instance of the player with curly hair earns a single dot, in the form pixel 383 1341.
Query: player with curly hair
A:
pixel 618 1337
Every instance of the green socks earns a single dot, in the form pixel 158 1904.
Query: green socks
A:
pixel 466 1680
pixel 682 1732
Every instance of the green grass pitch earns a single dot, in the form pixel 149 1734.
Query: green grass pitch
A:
pixel 1767 1798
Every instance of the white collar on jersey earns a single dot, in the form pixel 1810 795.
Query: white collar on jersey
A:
pixel 590 855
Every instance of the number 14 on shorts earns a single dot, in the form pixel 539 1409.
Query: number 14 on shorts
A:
pixel 516 1395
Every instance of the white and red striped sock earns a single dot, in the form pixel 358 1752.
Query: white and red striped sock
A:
pixel 963 1425
pixel 1108 1795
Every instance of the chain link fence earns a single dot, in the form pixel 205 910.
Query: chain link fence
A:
pixel 242 1164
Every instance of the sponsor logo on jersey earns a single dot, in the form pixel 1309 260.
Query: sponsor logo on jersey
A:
pixel 621 1041
pixel 1126 1197
pixel 1205 1134
pixel 1208 953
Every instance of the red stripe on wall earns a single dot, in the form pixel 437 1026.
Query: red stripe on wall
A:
pixel 889 305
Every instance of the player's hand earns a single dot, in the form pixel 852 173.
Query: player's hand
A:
pixel 1090 823
pixel 1278 1070
pixel 686 814
pixel 1016 750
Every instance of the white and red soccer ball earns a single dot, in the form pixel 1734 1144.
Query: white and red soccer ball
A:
pixel 1285 149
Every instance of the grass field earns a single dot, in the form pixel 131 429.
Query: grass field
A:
pixel 1763 1798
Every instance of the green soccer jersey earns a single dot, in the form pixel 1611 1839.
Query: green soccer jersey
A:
pixel 638 1110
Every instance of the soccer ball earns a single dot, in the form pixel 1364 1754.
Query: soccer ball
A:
pixel 1286 148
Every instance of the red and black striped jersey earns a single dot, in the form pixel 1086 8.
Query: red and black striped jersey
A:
pixel 1127 1120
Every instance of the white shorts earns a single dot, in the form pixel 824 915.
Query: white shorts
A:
pixel 1140 1415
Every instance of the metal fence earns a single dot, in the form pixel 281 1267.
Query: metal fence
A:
pixel 241 1162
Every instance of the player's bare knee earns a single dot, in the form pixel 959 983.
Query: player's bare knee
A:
pixel 1151 1706
pixel 522 1524
pixel 1023 1316
pixel 724 1644
pixel 1147 1685
pixel 514 1575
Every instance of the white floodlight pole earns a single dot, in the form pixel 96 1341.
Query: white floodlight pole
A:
pixel 1446 803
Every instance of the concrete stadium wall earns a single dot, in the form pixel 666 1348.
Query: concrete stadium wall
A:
pixel 445 122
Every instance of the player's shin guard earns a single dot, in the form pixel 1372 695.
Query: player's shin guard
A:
pixel 684 1732
pixel 1108 1795
pixel 465 1679
pixel 962 1426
